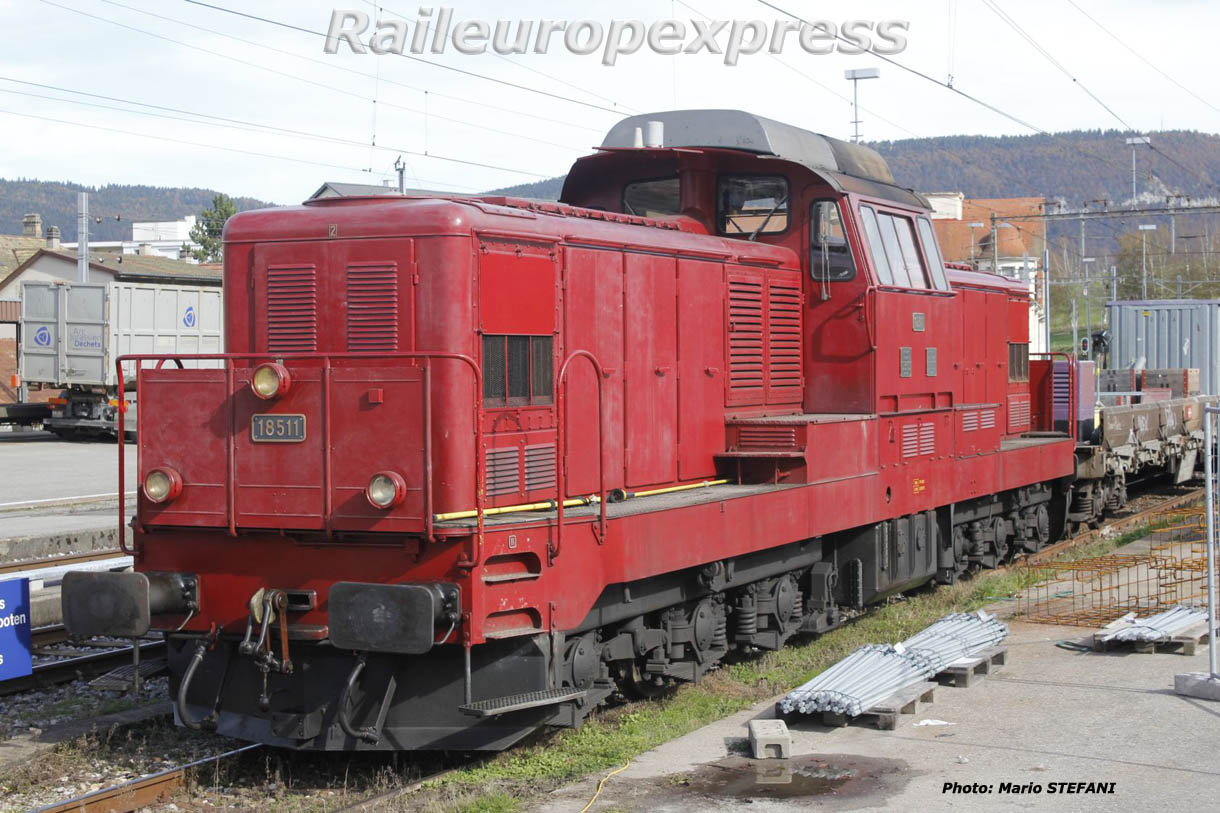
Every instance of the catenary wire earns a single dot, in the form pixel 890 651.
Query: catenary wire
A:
pixel 297 78
pixel 233 123
pixel 328 87
pixel 333 65
pixel 557 96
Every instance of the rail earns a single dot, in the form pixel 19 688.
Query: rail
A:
pixel 229 359
pixel 1070 358
pixel 561 449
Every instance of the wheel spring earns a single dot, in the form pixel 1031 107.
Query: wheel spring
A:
pixel 720 638
pixel 746 622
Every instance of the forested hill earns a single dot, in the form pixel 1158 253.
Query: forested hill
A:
pixel 56 202
pixel 1077 166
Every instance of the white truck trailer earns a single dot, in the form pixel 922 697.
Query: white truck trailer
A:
pixel 73 332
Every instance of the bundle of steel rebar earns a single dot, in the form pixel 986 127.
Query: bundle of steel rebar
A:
pixel 875 672
pixel 1159 627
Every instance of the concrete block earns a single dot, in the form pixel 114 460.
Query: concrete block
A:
pixel 1193 684
pixel 769 739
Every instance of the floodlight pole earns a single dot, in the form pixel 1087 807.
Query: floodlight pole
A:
pixel 1133 143
pixel 1144 229
pixel 855 75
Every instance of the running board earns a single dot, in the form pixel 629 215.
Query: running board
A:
pixel 518 702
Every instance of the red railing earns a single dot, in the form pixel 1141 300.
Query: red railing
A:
pixel 228 360
pixel 561 448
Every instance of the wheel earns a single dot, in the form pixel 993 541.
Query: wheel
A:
pixel 999 527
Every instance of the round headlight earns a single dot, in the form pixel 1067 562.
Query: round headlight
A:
pixel 386 489
pixel 270 380
pixel 162 485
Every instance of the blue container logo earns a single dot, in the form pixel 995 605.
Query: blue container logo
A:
pixel 42 337
pixel 188 318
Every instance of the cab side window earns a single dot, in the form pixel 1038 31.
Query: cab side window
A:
pixel 830 254
pixel 936 262
pixel 895 253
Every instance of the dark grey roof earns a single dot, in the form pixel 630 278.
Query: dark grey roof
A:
pixel 341 189
pixel 843 164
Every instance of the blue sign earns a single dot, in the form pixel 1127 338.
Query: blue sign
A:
pixel 15 659
pixel 42 337
pixel 188 318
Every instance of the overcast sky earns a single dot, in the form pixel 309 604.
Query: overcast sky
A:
pixel 282 79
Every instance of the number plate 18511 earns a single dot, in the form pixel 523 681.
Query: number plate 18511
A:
pixel 277 428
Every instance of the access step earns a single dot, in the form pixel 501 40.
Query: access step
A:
pixel 518 702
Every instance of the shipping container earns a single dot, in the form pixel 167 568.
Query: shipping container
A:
pixel 73 332
pixel 1163 333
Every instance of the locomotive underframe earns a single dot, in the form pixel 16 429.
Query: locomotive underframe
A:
pixel 638 639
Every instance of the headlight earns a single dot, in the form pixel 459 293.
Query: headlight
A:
pixel 270 380
pixel 162 485
pixel 386 489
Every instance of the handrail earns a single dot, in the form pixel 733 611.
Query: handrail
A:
pixel 561 447
pixel 1071 360
pixel 327 358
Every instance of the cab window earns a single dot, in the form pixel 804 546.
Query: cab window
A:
pixel 830 256
pixel 659 197
pixel 894 249
pixel 936 262
pixel 876 249
pixel 751 205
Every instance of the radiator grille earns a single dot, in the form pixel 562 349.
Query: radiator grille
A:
pixel 372 307
pixel 292 308
pixel 970 421
pixel 503 471
pixel 784 334
pixel 540 467
pixel 767 437
pixel 918 439
pixel 987 419
pixel 745 333
pixel 1018 413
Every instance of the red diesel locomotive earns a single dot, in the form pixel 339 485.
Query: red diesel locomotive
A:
pixel 470 465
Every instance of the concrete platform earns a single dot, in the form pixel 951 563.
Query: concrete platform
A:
pixel 1050 716
pixel 58 497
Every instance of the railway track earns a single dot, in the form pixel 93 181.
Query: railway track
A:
pixel 159 787
pixel 1118 525
pixel 59 561
pixel 144 792
pixel 84 659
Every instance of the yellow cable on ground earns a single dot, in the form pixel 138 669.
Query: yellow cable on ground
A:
pixel 602 784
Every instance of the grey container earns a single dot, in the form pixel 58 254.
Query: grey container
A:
pixel 1168 333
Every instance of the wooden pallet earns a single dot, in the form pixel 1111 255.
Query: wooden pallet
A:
pixel 962 674
pixel 884 715
pixel 1185 644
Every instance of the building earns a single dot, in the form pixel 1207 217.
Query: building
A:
pixel 160 238
pixel 48 262
pixel 977 233
pixel 342 189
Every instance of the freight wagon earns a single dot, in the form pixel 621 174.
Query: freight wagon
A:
pixel 74 332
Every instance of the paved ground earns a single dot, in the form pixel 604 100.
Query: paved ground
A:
pixel 58 497
pixel 38 466
pixel 1049 716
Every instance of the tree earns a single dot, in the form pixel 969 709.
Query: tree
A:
pixel 207 230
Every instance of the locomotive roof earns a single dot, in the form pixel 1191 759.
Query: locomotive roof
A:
pixel 849 167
